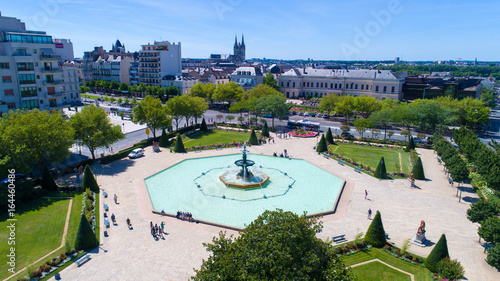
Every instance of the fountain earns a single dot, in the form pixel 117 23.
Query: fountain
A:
pixel 244 179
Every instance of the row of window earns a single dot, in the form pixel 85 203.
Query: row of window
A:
pixel 4 65
pixel 28 38
pixel 27 79
pixel 339 86
pixel 25 66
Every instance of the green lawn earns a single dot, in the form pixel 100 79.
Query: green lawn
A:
pixel 378 271
pixel 369 155
pixel 89 96
pixel 39 229
pixel 420 272
pixel 215 137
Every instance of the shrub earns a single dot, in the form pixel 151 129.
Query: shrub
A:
pixel 179 146
pixel 375 235
pixel 418 170
pixel 490 230
pixel 164 142
pixel 322 147
pixel 203 126
pixel 253 138
pixel 265 130
pixel 48 181
pixel 89 180
pixel 411 145
pixel 493 257
pixel 85 237
pixel 381 171
pixel 329 136
pixel 450 269
pixel 480 211
pixel 439 252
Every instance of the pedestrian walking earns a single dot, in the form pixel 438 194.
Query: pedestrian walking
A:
pixel 366 193
pixel 115 198
pixel 369 214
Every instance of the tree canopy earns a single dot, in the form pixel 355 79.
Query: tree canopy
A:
pixel 276 246
pixel 230 92
pixel 274 105
pixel 151 112
pixel 270 81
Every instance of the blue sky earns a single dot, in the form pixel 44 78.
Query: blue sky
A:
pixel 320 30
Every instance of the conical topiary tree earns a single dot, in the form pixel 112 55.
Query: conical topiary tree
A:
pixel 439 252
pixel 375 235
pixel 381 171
pixel 253 138
pixel 322 147
pixel 411 145
pixel 329 136
pixel 48 181
pixel 265 130
pixel 203 126
pixel 89 180
pixel 164 142
pixel 418 170
pixel 179 146
pixel 85 237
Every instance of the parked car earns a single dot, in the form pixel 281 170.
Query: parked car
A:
pixel 312 114
pixel 138 152
pixel 326 116
pixel 293 112
pixel 306 114
pixel 319 115
pixel 268 115
pixel 347 135
pixel 301 113
pixel 417 140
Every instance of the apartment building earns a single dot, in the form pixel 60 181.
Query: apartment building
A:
pixel 158 60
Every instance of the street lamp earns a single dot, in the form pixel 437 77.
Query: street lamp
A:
pixel 123 125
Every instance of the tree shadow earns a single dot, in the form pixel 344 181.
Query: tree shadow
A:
pixel 469 199
pixel 113 168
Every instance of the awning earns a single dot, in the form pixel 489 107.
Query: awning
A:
pixel 47 51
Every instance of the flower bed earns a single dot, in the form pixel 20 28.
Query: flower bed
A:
pixel 351 248
pixel 406 256
pixel 50 266
pixel 303 133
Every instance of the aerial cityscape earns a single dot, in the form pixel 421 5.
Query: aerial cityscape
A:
pixel 235 140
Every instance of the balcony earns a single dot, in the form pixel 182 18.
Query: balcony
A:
pixel 52 83
pixel 50 57
pixel 53 96
pixel 51 70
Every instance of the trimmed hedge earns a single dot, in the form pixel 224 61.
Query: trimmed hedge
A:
pixel 411 145
pixel 418 170
pixel 164 141
pixel 48 181
pixel 439 252
pixel 253 138
pixel 265 130
pixel 375 235
pixel 381 171
pixel 322 147
pixel 89 180
pixel 85 237
pixel 329 136
pixel 179 146
pixel 203 126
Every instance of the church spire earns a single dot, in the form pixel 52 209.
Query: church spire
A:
pixel 235 40
pixel 242 40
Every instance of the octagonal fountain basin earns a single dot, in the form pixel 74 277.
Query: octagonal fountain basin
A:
pixel 195 186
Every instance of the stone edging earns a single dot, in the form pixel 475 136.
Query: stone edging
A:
pixel 386 264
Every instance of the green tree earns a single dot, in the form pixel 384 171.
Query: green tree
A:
pixel 85 237
pixel 362 125
pixel 48 181
pixel 329 136
pixel 488 97
pixel 411 145
pixel 203 126
pixel 473 112
pixel 152 113
pixel 480 211
pixel 328 102
pixel 345 128
pixel 381 171
pixel 262 90
pixel 274 105
pixel 490 230
pixel 178 107
pixel 253 138
pixel 197 90
pixel 493 257
pixel 230 92
pixel 382 118
pixel 322 147
pixel 276 246
pixel 439 252
pixel 418 170
pixel 345 106
pixel 164 141
pixel 450 269
pixel 198 107
pixel 89 181
pixel 403 116
pixel 265 130
pixel 84 89
pixel 270 81
pixel 375 235
pixel 34 136
pixel 179 146
pixel 366 105
pixel 230 118
pixel 93 128
pixel 123 87
pixel 114 85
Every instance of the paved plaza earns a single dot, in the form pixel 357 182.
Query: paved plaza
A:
pixel 135 255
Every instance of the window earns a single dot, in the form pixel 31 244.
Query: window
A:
pixel 287 84
pixel 11 105
pixel 6 79
pixel 25 66
pixel 356 86
pixel 317 84
pixel 335 85
pixel 9 92
pixel 293 85
pixel 28 92
pixel 28 38
pixel 367 87
pixel 34 51
pixel 340 86
pixel 385 89
pixel 50 78
pixel 4 65
pixel 331 85
pixel 20 52
pixel 281 84
pixel 27 79
pixel 376 88
pixel 347 86
pixel 321 85
pixel 29 104
pixel 392 89
pixel 362 86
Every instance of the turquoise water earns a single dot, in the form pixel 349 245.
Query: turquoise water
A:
pixel 194 186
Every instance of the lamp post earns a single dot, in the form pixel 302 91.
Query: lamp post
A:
pixel 123 125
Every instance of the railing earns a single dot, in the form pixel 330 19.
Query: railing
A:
pixel 51 70
pixel 50 57
pixel 53 82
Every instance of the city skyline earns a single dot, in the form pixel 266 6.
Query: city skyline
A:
pixel 323 30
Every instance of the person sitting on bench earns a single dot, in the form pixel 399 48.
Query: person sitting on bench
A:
pixel 113 218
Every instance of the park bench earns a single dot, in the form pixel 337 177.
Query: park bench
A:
pixel 82 259
pixel 106 207
pixel 106 223
pixel 105 194
pixel 197 150
pixel 341 162
pixel 339 238
pixel 326 156
pixel 357 169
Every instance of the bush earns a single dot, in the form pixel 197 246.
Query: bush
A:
pixel 329 136
pixel 493 257
pixel 381 171
pixel 490 230
pixel 480 211
pixel 179 146
pixel 164 142
pixel 450 269
pixel 411 145
pixel 439 252
pixel 203 126
pixel 89 180
pixel 48 181
pixel 85 237
pixel 322 147
pixel 253 138
pixel 375 235
pixel 418 170
pixel 265 130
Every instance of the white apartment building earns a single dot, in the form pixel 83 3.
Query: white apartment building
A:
pixel 312 82
pixel 112 68
pixel 72 77
pixel 183 83
pixel 247 76
pixel 29 68
pixel 158 60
